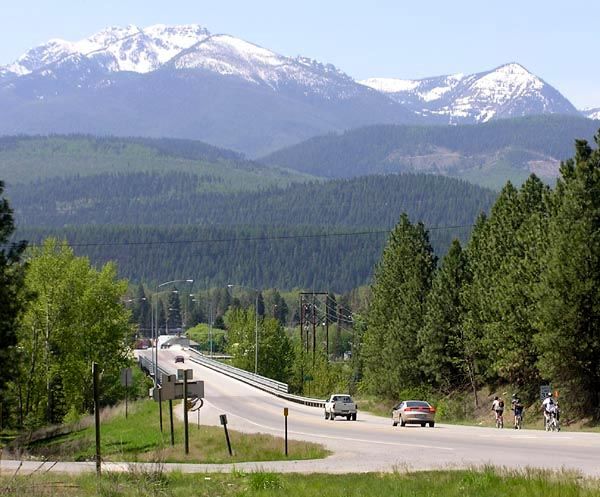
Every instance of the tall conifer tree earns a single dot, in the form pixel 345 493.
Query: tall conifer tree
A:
pixel 569 308
pixel 440 337
pixel 402 281
pixel 11 282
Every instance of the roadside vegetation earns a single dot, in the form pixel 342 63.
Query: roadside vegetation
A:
pixel 515 308
pixel 138 438
pixel 470 483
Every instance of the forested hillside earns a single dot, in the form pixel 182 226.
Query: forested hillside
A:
pixel 115 198
pixel 26 159
pixel 312 235
pixel 178 198
pixel 487 154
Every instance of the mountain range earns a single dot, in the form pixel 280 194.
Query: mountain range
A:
pixel 184 82
pixel 507 91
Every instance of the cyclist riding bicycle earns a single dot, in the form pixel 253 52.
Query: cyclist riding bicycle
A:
pixel 548 406
pixel 498 408
pixel 517 408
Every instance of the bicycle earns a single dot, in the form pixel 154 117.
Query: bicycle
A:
pixel 518 415
pixel 518 421
pixel 499 419
pixel 552 423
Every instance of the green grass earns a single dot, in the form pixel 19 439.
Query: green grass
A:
pixel 155 482
pixel 138 438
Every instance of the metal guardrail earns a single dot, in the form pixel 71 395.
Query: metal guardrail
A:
pixel 277 388
pixel 200 358
pixel 148 365
pixel 273 387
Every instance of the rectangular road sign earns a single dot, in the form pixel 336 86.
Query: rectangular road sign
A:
pixel 126 377
pixel 182 372
pixel 544 391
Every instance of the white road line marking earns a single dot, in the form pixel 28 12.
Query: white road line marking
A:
pixel 329 437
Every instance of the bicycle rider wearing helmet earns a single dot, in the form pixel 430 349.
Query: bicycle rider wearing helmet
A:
pixel 517 408
pixel 547 406
pixel 498 407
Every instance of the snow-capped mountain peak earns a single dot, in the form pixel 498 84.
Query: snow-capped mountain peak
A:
pixel 121 48
pixel 509 90
pixel 227 55
pixel 230 56
pixel 191 52
pixel 591 113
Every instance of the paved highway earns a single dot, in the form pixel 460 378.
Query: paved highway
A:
pixel 372 444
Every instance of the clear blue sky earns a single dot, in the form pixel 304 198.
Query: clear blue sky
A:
pixel 555 39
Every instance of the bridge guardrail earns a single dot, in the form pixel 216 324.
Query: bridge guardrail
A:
pixel 255 378
pixel 148 365
pixel 274 387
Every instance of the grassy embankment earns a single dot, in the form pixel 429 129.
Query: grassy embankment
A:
pixel 138 438
pixel 489 483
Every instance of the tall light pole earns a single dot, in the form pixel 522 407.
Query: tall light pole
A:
pixel 139 299
pixel 210 317
pixel 156 322
pixel 255 324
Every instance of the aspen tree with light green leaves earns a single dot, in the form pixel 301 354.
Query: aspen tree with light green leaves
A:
pixel 76 317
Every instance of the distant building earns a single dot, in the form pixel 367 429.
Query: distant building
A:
pixel 166 341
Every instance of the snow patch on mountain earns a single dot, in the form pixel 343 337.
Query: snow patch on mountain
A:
pixel 591 113
pixel 390 85
pixel 507 91
pixel 130 48
pixel 230 56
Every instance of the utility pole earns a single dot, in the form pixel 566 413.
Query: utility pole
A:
pixel 314 327
pixel 96 387
pixel 307 318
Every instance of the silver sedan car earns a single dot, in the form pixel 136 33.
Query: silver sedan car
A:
pixel 413 412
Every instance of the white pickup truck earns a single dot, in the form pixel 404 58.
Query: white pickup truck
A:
pixel 340 405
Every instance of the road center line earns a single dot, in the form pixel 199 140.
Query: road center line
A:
pixel 329 437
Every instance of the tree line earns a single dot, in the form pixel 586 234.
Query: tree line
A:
pixel 284 238
pixel 519 305
pixel 177 198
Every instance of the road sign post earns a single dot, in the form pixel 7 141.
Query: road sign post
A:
pixel 285 416
pixel 171 423
pixel 223 418
pixel 200 404
pixel 185 412
pixel 126 381
pixel 160 408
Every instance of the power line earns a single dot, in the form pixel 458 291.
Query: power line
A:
pixel 248 239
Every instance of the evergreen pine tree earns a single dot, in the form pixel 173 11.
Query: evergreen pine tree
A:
pixel 174 320
pixel 439 338
pixel 401 284
pixel 11 284
pixel 568 342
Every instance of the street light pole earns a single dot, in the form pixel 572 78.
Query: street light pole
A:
pixel 156 321
pixel 256 334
